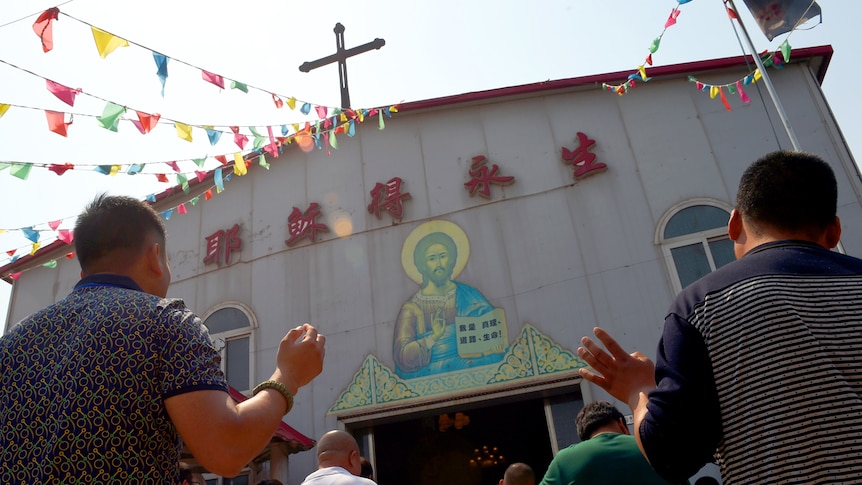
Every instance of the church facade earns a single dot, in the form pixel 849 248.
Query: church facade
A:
pixel 455 259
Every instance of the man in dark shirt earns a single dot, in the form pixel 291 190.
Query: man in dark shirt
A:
pixel 101 386
pixel 760 362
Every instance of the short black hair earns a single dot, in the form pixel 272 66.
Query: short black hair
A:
pixel 115 225
pixel 789 191
pixel 367 469
pixel 595 415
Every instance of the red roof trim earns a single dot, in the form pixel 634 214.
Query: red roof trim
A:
pixel 612 78
pixel 284 431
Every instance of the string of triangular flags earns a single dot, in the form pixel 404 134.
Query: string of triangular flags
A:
pixel 107 42
pixel 342 122
pixel 307 139
pixel 775 59
pixel 640 74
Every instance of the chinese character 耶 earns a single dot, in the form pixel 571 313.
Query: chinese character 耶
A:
pixel 388 197
pixel 582 159
pixel 303 224
pixel 222 241
pixel 483 178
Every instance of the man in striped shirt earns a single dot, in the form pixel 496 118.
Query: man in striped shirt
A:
pixel 760 362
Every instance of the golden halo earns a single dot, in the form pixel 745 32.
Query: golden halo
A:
pixel 449 228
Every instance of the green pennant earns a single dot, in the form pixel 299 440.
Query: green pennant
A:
pixel 110 118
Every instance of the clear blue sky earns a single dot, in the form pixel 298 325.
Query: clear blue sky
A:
pixel 432 49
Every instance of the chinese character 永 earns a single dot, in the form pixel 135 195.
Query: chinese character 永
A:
pixel 483 178
pixel 388 197
pixel 303 224
pixel 582 159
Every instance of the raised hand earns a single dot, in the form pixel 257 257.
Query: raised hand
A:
pixel 622 375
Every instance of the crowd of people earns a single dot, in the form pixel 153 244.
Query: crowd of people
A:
pixel 759 366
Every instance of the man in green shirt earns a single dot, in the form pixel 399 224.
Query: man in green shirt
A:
pixel 607 453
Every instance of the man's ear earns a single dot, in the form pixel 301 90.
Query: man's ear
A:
pixel 153 258
pixel 833 233
pixel 734 225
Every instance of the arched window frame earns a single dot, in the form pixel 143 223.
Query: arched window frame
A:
pixel 221 339
pixel 702 237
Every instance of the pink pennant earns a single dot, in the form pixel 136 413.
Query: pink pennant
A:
pixel 15 276
pixel 55 224
pixel 272 148
pixel 66 235
pixel 200 175
pixel 181 209
pixel 57 122
pixel 672 19
pixel 65 94
pixel 321 111
pixel 278 102
pixel 44 27
pixel 699 85
pixel 742 96
pixel 238 138
pixel 174 166
pixel 212 78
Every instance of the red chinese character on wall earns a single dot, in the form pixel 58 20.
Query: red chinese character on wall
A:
pixel 483 178
pixel 582 159
pixel 222 241
pixel 303 224
pixel 388 197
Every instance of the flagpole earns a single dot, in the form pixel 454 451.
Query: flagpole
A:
pixel 769 87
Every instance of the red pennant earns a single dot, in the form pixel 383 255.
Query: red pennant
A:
pixel 222 159
pixel 57 122
pixel 649 60
pixel 147 121
pixel 278 102
pixel 70 255
pixel 724 99
pixel 61 169
pixel 44 27
pixel 11 252
pixel 162 177
pixel 731 14
pixel 208 194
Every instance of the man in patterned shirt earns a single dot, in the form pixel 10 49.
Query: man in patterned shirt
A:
pixel 105 385
pixel 760 361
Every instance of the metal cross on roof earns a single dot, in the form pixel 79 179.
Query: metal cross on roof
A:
pixel 341 56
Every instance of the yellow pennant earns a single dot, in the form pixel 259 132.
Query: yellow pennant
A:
pixel 4 108
pixel 35 248
pixel 239 164
pixel 757 75
pixel 291 102
pixel 713 91
pixel 184 131
pixel 107 43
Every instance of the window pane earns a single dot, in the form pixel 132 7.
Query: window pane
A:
pixel 695 219
pixel 691 263
pixel 226 319
pixel 237 363
pixel 722 251
pixel 564 410
pixel 240 480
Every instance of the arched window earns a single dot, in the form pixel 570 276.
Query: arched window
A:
pixel 693 236
pixel 231 327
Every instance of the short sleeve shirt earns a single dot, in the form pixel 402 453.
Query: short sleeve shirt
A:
pixel 83 384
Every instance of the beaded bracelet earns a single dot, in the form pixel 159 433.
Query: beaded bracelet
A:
pixel 272 384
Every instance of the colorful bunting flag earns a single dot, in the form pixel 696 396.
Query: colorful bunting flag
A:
pixel 21 170
pixel 239 167
pixel 238 85
pixel 161 69
pixel 57 122
pixel 4 108
pixel 213 78
pixel 110 118
pixel 107 43
pixel 66 235
pixel 63 93
pixel 61 169
pixel 184 131
pixel 44 27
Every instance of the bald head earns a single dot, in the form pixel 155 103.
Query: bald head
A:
pixel 519 474
pixel 339 448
